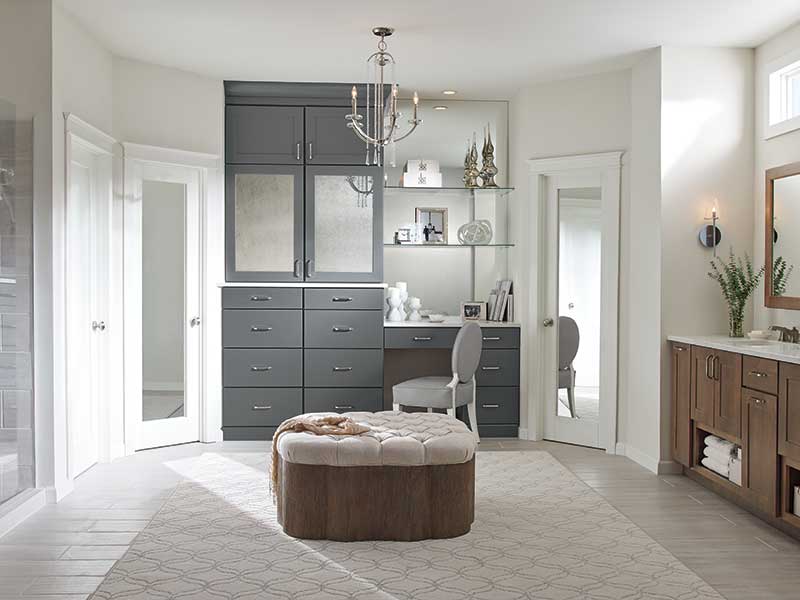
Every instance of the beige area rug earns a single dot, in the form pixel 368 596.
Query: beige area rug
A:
pixel 539 533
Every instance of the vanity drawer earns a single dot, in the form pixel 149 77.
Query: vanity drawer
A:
pixel 236 297
pixel 500 337
pixel 420 337
pixel 497 405
pixel 760 374
pixel 262 368
pixel 262 328
pixel 343 329
pixel 344 299
pixel 498 367
pixel 249 407
pixel 343 368
pixel 343 400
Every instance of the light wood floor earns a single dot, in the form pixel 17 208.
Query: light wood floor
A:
pixel 64 551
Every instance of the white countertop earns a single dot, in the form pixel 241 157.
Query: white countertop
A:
pixel 780 351
pixel 302 284
pixel 457 323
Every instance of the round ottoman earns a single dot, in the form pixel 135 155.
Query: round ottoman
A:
pixel 411 477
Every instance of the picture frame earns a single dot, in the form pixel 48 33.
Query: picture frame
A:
pixel 473 311
pixel 403 235
pixel 434 220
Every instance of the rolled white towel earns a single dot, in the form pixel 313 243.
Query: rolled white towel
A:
pixel 720 444
pixel 718 455
pixel 710 463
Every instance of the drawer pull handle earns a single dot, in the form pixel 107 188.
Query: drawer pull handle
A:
pixel 758 374
pixel 342 406
pixel 342 329
pixel 257 407
pixel 419 338
pixel 341 299
pixel 257 369
pixel 490 405
pixel 260 329
pixel 490 368
pixel 260 298
pixel 491 339
pixel 342 369
pixel 680 348
pixel 758 401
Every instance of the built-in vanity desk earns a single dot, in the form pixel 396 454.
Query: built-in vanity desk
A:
pixel 746 392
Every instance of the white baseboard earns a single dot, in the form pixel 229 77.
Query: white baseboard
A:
pixel 55 494
pixel 522 433
pixel 637 456
pixel 20 507
pixel 162 386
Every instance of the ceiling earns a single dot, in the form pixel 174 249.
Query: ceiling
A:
pixel 485 49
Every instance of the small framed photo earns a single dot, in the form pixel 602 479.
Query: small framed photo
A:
pixel 402 236
pixel 473 311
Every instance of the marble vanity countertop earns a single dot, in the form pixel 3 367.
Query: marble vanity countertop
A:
pixel 303 284
pixel 426 323
pixel 780 351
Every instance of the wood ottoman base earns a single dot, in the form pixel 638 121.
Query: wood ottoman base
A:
pixel 350 504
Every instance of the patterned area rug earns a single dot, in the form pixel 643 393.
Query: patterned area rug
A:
pixel 539 533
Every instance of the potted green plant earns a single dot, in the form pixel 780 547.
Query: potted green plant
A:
pixel 737 279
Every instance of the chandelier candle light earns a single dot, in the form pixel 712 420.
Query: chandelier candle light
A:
pixel 381 126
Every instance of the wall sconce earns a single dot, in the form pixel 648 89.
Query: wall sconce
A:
pixel 711 235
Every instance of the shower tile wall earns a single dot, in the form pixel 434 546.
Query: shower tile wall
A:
pixel 16 398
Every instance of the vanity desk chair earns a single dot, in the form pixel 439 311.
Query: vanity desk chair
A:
pixel 448 393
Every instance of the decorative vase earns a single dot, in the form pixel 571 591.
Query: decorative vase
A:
pixel 414 304
pixel 735 321
pixel 403 287
pixel 394 303
pixel 489 168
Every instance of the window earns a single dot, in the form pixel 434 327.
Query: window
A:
pixel 784 95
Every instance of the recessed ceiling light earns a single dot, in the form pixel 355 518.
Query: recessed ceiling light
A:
pixel 439 107
pixel 449 92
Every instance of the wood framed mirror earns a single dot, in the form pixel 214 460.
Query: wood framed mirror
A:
pixel 782 244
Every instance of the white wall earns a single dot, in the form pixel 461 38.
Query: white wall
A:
pixel 770 153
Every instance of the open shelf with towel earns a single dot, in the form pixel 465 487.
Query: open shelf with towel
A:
pixel 790 496
pixel 717 458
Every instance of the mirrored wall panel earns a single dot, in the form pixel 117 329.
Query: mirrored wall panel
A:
pixel 785 241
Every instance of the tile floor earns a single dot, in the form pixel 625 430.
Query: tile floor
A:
pixel 65 550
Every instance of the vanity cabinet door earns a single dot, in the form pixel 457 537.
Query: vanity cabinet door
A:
pixel 727 371
pixel 264 223
pixel 344 224
pixel 262 135
pixel 703 386
pixel 760 447
pixel 329 141
pixel 681 403
pixel 789 410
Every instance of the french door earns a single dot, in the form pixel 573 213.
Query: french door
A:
pixel 163 325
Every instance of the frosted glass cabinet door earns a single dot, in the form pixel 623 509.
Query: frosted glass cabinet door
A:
pixel 344 224
pixel 264 223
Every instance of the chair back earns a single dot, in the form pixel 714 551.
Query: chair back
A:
pixel 467 351
pixel 569 338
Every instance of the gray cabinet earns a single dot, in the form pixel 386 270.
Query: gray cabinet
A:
pixel 264 135
pixel 328 139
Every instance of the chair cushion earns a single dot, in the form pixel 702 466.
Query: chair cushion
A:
pixel 395 438
pixel 431 392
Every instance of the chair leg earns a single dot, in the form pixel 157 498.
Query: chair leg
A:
pixel 396 407
pixel 451 412
pixel 473 420
pixel 571 398
pixel 430 410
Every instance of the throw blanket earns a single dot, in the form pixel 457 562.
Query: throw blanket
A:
pixel 322 425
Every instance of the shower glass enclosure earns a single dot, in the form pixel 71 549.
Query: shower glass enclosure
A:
pixel 16 262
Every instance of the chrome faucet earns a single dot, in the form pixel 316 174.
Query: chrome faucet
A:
pixel 787 335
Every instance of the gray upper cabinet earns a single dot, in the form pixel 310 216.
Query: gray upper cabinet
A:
pixel 264 135
pixel 328 139
pixel 264 223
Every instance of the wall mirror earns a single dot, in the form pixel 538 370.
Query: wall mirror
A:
pixel 782 245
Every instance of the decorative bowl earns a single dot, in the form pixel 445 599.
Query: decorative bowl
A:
pixel 437 318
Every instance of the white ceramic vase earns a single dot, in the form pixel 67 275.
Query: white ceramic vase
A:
pixel 403 287
pixel 414 304
pixel 395 302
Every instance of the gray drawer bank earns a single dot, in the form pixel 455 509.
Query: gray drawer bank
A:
pixel 287 351
pixel 498 374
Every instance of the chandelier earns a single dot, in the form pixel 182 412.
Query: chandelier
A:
pixel 379 126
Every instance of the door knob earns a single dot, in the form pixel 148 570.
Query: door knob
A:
pixel 101 325
pixel 195 321
pixel 548 322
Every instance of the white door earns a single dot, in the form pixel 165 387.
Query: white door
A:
pixel 163 305
pixel 88 213
pixel 580 305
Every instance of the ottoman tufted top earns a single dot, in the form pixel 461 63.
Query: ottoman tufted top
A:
pixel 395 438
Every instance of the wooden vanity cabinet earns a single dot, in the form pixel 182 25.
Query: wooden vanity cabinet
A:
pixel 789 411
pixel 760 449
pixel 681 403
pixel 702 386
pixel 716 391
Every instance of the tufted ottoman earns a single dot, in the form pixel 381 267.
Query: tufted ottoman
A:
pixel 411 477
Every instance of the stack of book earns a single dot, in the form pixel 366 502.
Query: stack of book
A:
pixel 501 302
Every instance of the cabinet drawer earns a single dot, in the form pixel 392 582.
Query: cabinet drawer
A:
pixel 343 299
pixel 498 367
pixel 262 328
pixel 343 400
pixel 760 374
pixel 498 405
pixel 248 433
pixel 234 297
pixel 343 368
pixel 343 329
pixel 500 337
pixel 248 407
pixel 420 337
pixel 262 368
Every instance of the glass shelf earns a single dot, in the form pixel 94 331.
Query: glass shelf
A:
pixel 448 245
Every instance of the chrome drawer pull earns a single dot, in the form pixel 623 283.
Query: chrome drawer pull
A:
pixel 490 405
pixel 491 339
pixel 342 329
pixel 758 374
pixel 260 329
pixel 680 348
pixel 342 369
pixel 260 369
pixel 758 400
pixel 260 298
pixel 342 406
pixel 422 338
pixel 490 368
pixel 341 299
pixel 257 407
